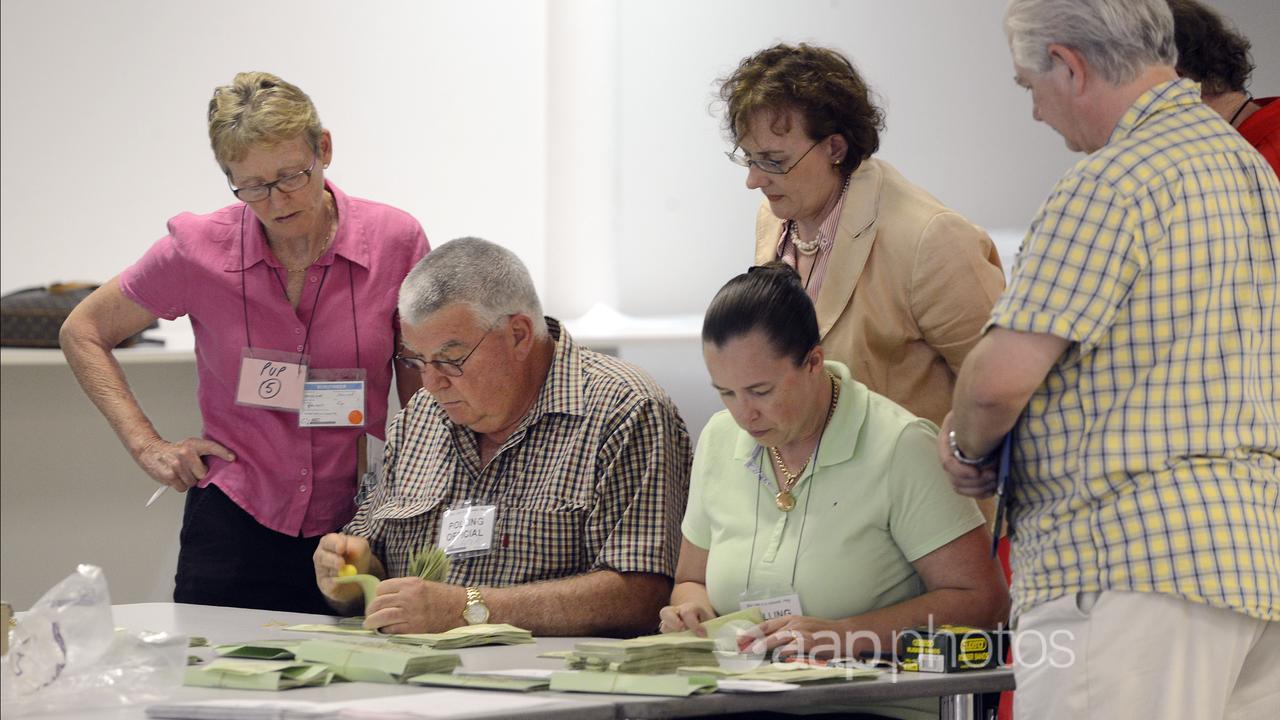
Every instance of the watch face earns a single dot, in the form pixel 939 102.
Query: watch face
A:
pixel 475 613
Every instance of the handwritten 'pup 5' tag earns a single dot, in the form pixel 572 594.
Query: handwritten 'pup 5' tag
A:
pixel 271 379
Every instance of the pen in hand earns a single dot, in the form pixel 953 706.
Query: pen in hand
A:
pixel 156 495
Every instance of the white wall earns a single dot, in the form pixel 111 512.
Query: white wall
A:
pixel 435 106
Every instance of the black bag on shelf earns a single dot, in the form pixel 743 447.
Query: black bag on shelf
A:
pixel 32 317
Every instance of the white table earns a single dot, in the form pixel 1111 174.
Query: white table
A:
pixel 227 625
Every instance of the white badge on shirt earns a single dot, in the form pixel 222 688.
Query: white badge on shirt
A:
pixel 271 379
pixel 773 602
pixel 466 530
pixel 333 398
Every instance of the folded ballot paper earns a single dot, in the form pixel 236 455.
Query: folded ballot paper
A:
pixel 376 660
pixel 240 674
pixel 259 649
pixel 654 654
pixel 631 684
pixel 460 637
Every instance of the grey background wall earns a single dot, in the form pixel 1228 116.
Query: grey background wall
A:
pixel 580 133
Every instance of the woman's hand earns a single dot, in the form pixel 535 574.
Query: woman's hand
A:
pixel 180 465
pixel 685 616
pixel 796 635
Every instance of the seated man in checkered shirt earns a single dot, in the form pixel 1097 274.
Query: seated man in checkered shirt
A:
pixel 555 476
pixel 1136 355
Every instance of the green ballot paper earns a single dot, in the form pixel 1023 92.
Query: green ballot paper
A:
pixel 726 629
pixel 653 654
pixel 239 674
pixel 480 682
pixel 376 660
pixel 628 684
pixel 259 649
pixel 468 636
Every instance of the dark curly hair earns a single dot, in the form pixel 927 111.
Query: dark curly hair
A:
pixel 1208 50
pixel 820 84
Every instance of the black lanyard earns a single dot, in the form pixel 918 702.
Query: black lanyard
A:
pixel 315 308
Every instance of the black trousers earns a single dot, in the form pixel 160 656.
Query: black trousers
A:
pixel 227 558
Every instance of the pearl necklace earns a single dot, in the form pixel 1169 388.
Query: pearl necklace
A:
pixel 785 501
pixel 808 247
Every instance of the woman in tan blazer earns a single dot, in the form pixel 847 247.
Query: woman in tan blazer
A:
pixel 902 285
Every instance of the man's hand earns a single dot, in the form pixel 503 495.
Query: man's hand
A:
pixel 968 480
pixel 334 551
pixel 179 465
pixel 685 616
pixel 414 605
pixel 795 635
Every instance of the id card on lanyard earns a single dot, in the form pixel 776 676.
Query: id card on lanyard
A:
pixel 333 398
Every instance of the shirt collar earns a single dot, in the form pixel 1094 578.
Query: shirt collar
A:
pixel 350 240
pixel 1162 98
pixel 846 424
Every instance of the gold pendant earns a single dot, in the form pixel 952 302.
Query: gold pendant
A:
pixel 785 501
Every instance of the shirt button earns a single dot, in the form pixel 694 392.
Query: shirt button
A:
pixel 313 278
pixel 302 488
pixel 299 348
pixel 297 331
pixel 304 472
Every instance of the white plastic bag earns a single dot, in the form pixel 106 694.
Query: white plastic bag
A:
pixel 65 652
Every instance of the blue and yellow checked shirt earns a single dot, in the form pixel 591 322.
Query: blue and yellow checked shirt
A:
pixel 1149 460
pixel 595 477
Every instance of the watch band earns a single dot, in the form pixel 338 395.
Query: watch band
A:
pixel 961 457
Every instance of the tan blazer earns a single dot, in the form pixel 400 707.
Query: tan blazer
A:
pixel 908 288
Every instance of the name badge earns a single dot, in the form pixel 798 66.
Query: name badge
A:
pixel 467 530
pixel 271 379
pixel 332 403
pixel 774 607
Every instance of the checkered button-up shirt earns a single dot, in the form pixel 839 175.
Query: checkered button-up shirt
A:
pixel 595 477
pixel 1149 459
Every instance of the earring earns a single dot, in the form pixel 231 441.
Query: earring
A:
pixel 836 163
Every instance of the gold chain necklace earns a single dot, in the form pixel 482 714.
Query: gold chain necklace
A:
pixel 328 238
pixel 785 501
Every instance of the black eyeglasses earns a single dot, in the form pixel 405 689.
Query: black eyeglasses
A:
pixel 773 167
pixel 286 184
pixel 448 368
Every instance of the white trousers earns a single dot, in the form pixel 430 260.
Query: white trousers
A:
pixel 1129 655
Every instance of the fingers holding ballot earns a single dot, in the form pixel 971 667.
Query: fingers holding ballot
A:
pixel 685 616
pixel 336 551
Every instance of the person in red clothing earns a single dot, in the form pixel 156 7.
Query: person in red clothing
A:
pixel 1217 56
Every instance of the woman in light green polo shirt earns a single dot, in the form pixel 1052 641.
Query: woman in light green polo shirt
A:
pixel 839 552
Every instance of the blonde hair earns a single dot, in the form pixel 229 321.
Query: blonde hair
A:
pixel 258 108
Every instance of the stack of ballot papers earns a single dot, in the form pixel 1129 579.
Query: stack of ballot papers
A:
pixel 654 654
pixel 515 679
pixel 788 672
pixel 631 684
pixel 381 661
pixel 238 674
pixel 460 637
pixel 726 629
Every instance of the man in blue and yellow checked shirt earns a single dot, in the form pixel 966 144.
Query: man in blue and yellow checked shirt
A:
pixel 1134 357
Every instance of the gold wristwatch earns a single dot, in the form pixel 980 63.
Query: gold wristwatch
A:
pixel 475 612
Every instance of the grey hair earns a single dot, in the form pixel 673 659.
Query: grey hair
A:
pixel 1116 37
pixel 488 278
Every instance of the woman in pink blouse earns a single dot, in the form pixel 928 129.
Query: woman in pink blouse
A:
pixel 291 295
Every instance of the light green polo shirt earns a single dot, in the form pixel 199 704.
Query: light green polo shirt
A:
pixel 877 500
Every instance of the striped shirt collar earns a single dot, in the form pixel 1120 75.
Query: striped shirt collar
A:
pixel 826 231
